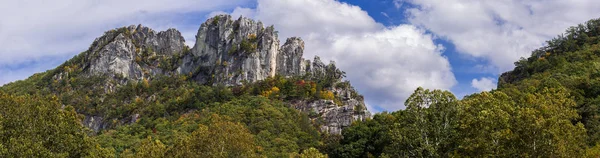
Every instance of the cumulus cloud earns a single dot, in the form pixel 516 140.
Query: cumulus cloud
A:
pixel 500 32
pixel 237 12
pixel 386 64
pixel 36 30
pixel 484 84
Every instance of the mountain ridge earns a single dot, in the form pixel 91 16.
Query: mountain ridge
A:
pixel 227 52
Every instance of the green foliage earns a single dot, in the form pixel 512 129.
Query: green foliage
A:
pixel 363 139
pixel 264 128
pixel 428 126
pixel 547 107
pixel 151 148
pixel 220 138
pixel 34 126
pixel 232 50
pixel 571 61
pixel 248 46
pixel 215 20
pixel 312 153
pixel 537 122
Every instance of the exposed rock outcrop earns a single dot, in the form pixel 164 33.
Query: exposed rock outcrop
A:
pixel 230 51
pixel 133 52
pixel 227 51
pixel 289 59
pixel 333 117
pixel 97 123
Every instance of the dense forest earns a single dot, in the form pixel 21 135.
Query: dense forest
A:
pixel 548 106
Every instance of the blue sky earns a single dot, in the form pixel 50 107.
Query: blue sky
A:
pixel 387 47
pixel 385 12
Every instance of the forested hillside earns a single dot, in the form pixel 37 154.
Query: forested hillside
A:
pixel 138 93
pixel 548 106
pixel 237 93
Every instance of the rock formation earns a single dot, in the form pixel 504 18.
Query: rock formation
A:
pixel 228 52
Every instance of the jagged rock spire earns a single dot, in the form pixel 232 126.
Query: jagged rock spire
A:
pixel 227 51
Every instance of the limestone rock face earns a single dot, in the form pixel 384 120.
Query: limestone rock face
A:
pixel 117 57
pixel 97 123
pixel 132 52
pixel 230 51
pixel 333 116
pixel 289 59
pixel 227 51
pixel 94 123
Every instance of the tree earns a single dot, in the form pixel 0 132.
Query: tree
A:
pixel 428 127
pixel 543 124
pixel 485 121
pixel 34 126
pixel 533 123
pixel 151 148
pixel 220 138
pixel 312 153
pixel 364 139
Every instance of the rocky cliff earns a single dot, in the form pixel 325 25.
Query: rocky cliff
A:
pixel 227 52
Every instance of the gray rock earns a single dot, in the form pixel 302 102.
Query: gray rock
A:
pixel 289 60
pixel 333 118
pixel 132 52
pixel 98 123
pixel 230 52
pixel 95 123
pixel 227 51
pixel 117 57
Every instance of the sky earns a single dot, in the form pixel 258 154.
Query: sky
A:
pixel 387 48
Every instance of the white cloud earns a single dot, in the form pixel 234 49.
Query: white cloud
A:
pixel 237 12
pixel 398 3
pixel 484 84
pixel 35 30
pixel 388 65
pixel 500 31
pixel 384 64
pixel 215 13
pixel 24 70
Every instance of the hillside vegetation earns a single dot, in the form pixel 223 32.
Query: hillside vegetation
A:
pixel 548 106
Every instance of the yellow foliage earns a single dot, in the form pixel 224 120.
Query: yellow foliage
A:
pixel 145 83
pixel 328 95
pixel 274 92
pixel 138 100
pixel 220 138
pixel 252 36
pixel 275 89
pixel 313 88
pixel 138 59
pixel 150 148
pixel 312 153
